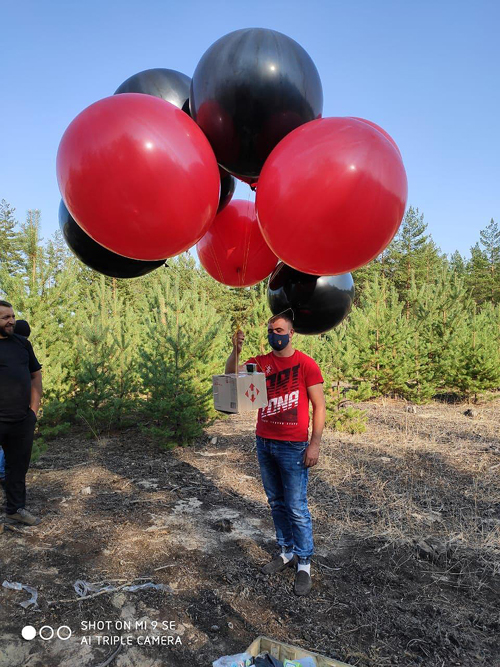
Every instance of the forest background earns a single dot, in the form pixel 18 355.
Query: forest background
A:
pixel 142 352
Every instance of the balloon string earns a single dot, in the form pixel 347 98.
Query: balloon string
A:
pixel 246 254
pixel 238 324
pixel 237 354
pixel 246 243
pixel 219 270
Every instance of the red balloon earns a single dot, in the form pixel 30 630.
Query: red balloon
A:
pixel 380 129
pixel 233 250
pixel 139 176
pixel 331 196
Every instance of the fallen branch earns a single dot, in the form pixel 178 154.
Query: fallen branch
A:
pixel 129 586
pixel 88 597
pixel 7 526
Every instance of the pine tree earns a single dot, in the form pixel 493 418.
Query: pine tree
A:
pixel 244 308
pixel 478 275
pixel 47 297
pixel 407 248
pixel 335 354
pixel 128 336
pixel 490 240
pixel 457 264
pixel 185 347
pixel 422 345
pixel 9 247
pixel 484 266
pixel 413 254
pixel 438 311
pixel 57 253
pixel 45 293
pixel 379 332
pixel 95 388
pixel 368 273
pixel 255 322
pixel 31 247
pixel 106 378
pixel 115 350
pixel 474 358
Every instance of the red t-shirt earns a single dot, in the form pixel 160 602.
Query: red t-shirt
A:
pixel 286 416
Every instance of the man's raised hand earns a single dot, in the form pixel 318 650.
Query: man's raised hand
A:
pixel 238 339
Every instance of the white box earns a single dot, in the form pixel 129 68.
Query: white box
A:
pixel 239 393
pixel 284 652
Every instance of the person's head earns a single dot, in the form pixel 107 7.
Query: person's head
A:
pixel 7 319
pixel 22 328
pixel 280 331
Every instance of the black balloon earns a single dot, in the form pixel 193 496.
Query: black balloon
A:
pixel 250 89
pixel 168 84
pixel 319 303
pixel 22 328
pixel 227 187
pixel 96 256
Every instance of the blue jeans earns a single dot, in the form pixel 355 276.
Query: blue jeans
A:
pixel 284 477
pixel 2 464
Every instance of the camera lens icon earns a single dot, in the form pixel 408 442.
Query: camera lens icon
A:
pixel 46 632
pixel 64 635
pixel 28 632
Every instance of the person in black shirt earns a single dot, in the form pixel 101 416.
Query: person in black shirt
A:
pixel 23 329
pixel 20 395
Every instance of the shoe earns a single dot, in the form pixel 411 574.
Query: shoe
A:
pixel 23 516
pixel 2 483
pixel 303 583
pixel 277 564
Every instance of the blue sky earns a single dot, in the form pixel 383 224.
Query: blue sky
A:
pixel 427 72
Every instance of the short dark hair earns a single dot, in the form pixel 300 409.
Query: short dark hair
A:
pixel 22 328
pixel 5 304
pixel 285 315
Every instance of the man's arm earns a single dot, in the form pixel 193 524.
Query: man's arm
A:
pixel 238 339
pixel 317 398
pixel 36 391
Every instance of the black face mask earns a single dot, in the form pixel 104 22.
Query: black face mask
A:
pixel 278 341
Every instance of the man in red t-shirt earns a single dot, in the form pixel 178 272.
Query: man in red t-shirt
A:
pixel 284 451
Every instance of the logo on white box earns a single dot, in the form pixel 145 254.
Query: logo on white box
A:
pixel 254 392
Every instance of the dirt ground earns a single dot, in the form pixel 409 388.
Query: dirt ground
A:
pixel 406 572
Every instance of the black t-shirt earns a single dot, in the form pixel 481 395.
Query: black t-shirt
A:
pixel 17 362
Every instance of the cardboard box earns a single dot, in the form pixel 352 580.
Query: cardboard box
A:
pixel 284 652
pixel 239 393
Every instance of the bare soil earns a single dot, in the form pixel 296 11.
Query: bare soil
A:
pixel 406 523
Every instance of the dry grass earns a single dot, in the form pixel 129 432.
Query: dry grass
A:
pixel 434 472
pixel 406 518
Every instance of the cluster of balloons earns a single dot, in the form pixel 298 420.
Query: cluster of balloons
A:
pixel 150 171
